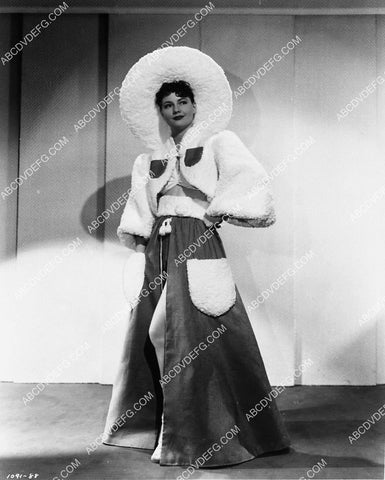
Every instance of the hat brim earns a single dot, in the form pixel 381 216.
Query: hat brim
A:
pixel 208 81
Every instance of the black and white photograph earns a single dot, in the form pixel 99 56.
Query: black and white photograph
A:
pixel 192 276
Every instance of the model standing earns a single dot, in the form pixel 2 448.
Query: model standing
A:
pixel 191 369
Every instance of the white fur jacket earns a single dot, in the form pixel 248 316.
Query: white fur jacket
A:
pixel 235 183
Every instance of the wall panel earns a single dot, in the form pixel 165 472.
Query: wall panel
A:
pixel 55 95
pixel 378 316
pixel 343 169
pixel 60 83
pixel 263 118
pixel 10 28
pixel 330 311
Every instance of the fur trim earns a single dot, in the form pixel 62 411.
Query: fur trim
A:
pixel 207 79
pixel 211 285
pixel 243 190
pixel 137 217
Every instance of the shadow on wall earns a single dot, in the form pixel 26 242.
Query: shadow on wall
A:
pixel 108 213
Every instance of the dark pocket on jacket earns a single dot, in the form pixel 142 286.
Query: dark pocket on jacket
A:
pixel 192 156
pixel 157 167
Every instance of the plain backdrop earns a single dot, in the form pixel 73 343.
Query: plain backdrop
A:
pixel 318 313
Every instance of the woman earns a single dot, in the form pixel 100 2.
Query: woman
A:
pixel 191 369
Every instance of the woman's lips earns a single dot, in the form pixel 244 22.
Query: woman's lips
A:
pixel 178 117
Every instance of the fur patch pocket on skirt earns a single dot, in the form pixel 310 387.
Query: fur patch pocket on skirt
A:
pixel 211 285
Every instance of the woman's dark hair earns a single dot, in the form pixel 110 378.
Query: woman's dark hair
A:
pixel 180 88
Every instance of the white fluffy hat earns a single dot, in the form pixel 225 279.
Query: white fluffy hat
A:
pixel 208 81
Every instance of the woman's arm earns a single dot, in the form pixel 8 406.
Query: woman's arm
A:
pixel 137 219
pixel 243 190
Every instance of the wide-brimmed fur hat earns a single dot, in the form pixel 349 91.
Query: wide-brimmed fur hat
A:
pixel 208 81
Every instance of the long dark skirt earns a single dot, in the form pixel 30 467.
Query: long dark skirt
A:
pixel 213 370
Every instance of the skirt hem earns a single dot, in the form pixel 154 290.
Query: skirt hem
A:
pixel 162 464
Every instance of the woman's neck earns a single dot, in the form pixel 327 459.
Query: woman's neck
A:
pixel 177 136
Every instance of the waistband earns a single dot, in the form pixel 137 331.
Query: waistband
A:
pixel 183 207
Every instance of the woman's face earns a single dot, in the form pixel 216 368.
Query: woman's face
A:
pixel 178 112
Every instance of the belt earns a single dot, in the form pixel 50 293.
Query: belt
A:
pixel 182 206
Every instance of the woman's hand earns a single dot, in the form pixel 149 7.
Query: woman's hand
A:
pixel 141 243
pixel 214 220
pixel 140 247
pixel 125 238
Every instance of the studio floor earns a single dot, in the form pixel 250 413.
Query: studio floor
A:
pixel 54 430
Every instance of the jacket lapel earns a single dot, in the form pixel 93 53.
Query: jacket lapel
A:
pixel 161 165
pixel 197 165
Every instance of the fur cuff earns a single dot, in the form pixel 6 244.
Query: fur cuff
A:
pixel 242 191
